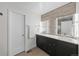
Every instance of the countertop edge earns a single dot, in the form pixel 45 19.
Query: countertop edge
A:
pixel 61 38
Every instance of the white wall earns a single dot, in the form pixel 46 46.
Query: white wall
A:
pixel 77 24
pixel 32 12
pixel 33 21
pixel 77 7
pixel 3 32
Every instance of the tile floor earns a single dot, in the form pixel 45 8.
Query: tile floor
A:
pixel 34 52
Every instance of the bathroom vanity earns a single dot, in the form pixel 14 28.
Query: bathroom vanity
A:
pixel 56 45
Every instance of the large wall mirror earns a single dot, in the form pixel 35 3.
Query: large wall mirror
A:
pixel 68 26
pixel 65 26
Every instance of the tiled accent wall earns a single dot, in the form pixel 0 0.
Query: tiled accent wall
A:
pixel 65 10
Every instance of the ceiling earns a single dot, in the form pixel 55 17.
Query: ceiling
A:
pixel 38 7
pixel 35 7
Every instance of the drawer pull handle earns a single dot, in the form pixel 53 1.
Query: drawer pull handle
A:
pixel 53 44
pixel 49 44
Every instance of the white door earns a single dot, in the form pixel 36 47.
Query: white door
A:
pixel 16 33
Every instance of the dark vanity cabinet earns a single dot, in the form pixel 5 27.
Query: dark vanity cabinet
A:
pixel 56 47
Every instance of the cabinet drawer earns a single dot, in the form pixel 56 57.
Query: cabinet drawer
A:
pixel 66 49
pixel 56 47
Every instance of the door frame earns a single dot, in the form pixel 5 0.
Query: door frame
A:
pixel 8 40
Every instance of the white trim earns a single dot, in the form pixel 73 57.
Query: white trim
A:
pixel 8 43
pixel 17 11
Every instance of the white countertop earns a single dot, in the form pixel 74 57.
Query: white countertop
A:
pixel 62 38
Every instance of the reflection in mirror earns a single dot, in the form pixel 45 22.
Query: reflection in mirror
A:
pixel 65 26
